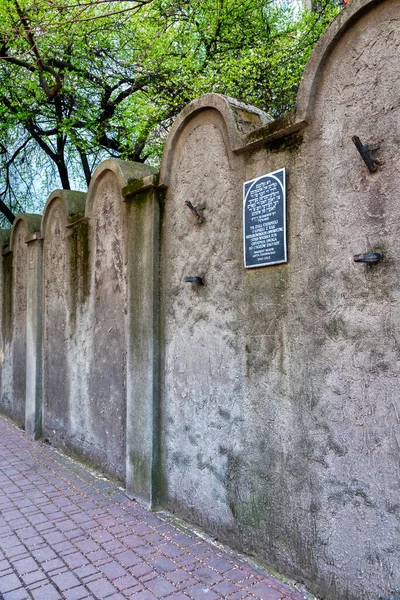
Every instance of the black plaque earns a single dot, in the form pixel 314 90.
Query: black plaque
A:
pixel 264 220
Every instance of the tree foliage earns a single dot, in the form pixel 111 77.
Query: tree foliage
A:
pixel 84 79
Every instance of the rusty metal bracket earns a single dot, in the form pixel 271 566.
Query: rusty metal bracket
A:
pixel 196 280
pixel 365 152
pixel 196 210
pixel 368 257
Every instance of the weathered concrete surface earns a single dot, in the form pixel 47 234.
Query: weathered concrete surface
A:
pixel 34 374
pixel 143 335
pixel 280 396
pixel 5 292
pixel 62 210
pixel 202 365
pixel 98 408
pixel 14 400
pixel 14 317
pixel 347 329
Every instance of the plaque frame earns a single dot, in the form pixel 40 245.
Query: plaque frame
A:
pixel 278 176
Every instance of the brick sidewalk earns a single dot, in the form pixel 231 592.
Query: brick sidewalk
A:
pixel 65 533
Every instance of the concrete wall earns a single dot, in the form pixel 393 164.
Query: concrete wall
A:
pixel 280 398
pixel 263 405
pixel 60 251
pixel 5 303
pixel 106 364
pixel 16 261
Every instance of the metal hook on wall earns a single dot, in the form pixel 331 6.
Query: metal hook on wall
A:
pixel 196 210
pixel 365 153
pixel 196 280
pixel 369 257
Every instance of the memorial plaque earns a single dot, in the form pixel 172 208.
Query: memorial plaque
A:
pixel 264 220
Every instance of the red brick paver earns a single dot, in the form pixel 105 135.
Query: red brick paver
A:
pixel 67 534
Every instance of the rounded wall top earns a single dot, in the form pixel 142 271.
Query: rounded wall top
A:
pixel 124 171
pixel 30 222
pixel 73 203
pixel 351 13
pixel 239 118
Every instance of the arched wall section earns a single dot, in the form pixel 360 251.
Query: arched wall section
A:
pixel 63 283
pixel 14 317
pixel 202 345
pixel 106 411
pixel 55 325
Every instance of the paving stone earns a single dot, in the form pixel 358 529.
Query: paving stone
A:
pixel 65 581
pixel 77 593
pixel 245 583
pixel 101 535
pixel 33 577
pixel 140 569
pixel 191 582
pixel 113 570
pixel 98 556
pixel 15 551
pixel 133 590
pixel 219 564
pixel 113 546
pixel 87 546
pixel 128 558
pixel 144 595
pixel 43 554
pixel 34 542
pixel 101 588
pixel 4 564
pixel 132 541
pixel 20 594
pixel 160 587
pixel 26 533
pixel 225 587
pixel 236 574
pixel 241 595
pixel 207 575
pixel 263 591
pixel 47 592
pixel 8 583
pixel 25 565
pixel 201 592
pixel 51 565
pixel 163 564
pixel 123 583
pixel 178 576
pixel 85 571
pixel 73 534
pixel 64 548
